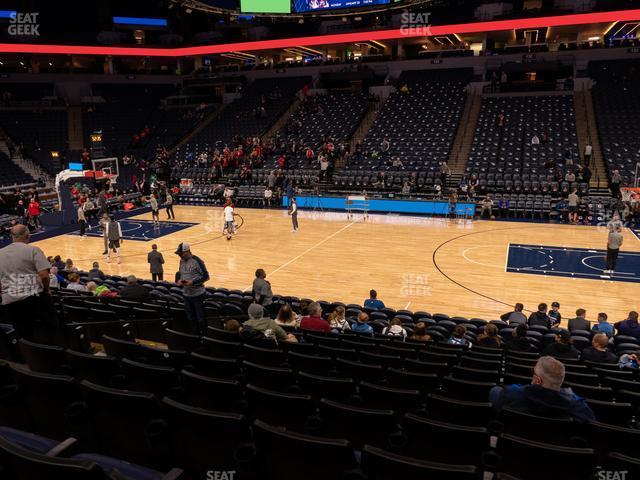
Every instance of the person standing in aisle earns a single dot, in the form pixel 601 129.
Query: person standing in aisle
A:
pixel 156 262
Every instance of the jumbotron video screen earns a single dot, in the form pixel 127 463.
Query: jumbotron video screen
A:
pixel 302 6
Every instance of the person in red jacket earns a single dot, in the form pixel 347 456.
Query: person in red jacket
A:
pixel 314 320
pixel 34 212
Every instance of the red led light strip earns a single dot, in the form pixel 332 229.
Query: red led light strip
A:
pixel 462 28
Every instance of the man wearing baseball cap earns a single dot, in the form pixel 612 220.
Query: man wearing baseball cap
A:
pixel 192 274
pixel 555 315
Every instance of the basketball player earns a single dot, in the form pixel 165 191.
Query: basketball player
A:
pixel 293 211
pixel 169 205
pixel 155 213
pixel 104 221
pixel 614 242
pixel 114 235
pixel 229 225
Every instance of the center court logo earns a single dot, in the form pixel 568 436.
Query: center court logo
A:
pixel 24 24
pixel 415 24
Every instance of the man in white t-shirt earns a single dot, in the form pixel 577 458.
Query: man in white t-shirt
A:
pixel 229 225
pixel 268 196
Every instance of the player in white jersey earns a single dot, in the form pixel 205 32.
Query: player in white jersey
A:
pixel 229 222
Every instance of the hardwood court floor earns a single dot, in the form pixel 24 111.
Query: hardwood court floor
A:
pixel 333 258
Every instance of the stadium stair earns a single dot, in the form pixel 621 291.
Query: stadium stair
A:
pixel 201 126
pixel 464 138
pixel 587 129
pixel 284 118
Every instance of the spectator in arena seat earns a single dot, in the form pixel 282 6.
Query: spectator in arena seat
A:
pixel 516 317
pixel 395 329
pixel 519 341
pixel 420 333
pixel 404 89
pixel 406 188
pixel 53 278
pixel 268 197
pixel 362 324
pixel 287 317
pixel 544 396
pixel 95 272
pixel 603 326
pixel 503 206
pixel 555 315
pixel 629 361
pixel 500 121
pixel 133 290
pixel 266 325
pixel 562 347
pixel 490 337
pixel 616 180
pixel 372 301
pixel 598 352
pixel 535 140
pixel 73 280
pixel 570 177
pixel 540 317
pixel 487 206
pixel 69 266
pixel 338 321
pixel 629 326
pixel 314 320
pixel 232 326
pixel 457 336
pixel 580 322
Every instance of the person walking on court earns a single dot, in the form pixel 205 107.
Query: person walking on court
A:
pixel 155 213
pixel 293 211
pixel 114 235
pixel 155 261
pixel 82 220
pixel 229 220
pixel 169 206
pixel 614 242
pixel 104 221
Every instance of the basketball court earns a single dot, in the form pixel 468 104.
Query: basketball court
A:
pixel 472 269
